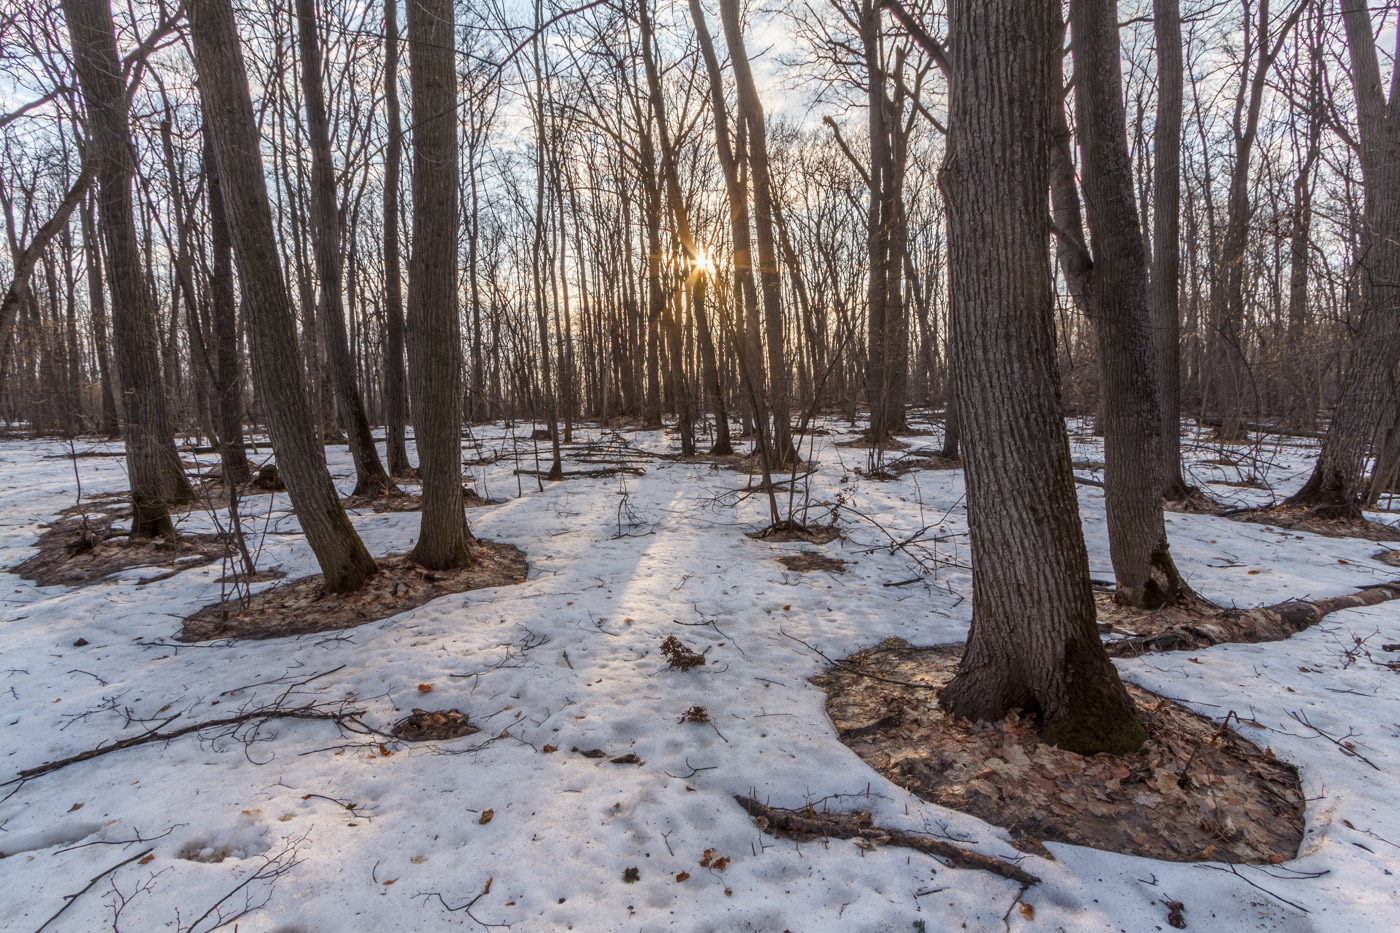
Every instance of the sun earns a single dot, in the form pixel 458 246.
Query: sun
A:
pixel 704 264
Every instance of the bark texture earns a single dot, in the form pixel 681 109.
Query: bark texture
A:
pixel 1166 237
pixel 1115 294
pixel 395 381
pixel 1370 392
pixel 157 477
pixel 1033 643
pixel 271 323
pixel 325 243
pixel 435 364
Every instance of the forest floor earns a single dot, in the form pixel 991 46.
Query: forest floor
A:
pixel 582 790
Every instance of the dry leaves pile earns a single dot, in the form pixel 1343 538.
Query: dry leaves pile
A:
pixel 76 551
pixel 1301 518
pixel 433 725
pixel 1196 791
pixel 807 561
pixel 304 606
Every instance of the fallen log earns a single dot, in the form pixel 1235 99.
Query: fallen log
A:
pixel 807 824
pixel 1250 626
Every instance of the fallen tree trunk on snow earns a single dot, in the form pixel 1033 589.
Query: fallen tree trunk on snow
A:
pixel 807 824
pixel 1250 626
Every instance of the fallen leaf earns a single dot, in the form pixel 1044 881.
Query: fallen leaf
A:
pixel 384 750
pixel 76 806
pixel 390 881
pixel 1028 911
pixel 631 875
pixel 487 889
pixel 550 749
pixel 147 860
pixel 425 688
pixel 486 816
pixel 683 876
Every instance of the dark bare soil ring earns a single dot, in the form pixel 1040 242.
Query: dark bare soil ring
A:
pixel 79 549
pixel 303 606
pixel 809 561
pixel 1298 518
pixel 1197 791
pixel 785 532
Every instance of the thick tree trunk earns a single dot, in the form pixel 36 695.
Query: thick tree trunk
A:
pixel 395 384
pixel 370 476
pixel 1115 293
pixel 1033 643
pixel 157 477
pixel 1166 229
pixel 1370 392
pixel 436 350
pixel 271 323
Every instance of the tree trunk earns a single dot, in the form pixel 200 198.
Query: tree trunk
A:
pixel 271 323
pixel 769 282
pixel 157 477
pixel 1370 393
pixel 1033 643
pixel 1166 229
pixel 224 311
pixel 395 386
pixel 436 350
pixel 111 425
pixel 1115 293
pixel 370 476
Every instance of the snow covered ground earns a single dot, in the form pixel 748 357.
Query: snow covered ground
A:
pixel 570 659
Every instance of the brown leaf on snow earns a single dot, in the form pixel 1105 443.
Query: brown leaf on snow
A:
pixel 425 688
pixel 485 817
pixel 683 876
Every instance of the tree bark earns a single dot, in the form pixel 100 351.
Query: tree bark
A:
pixel 370 477
pixel 1115 293
pixel 271 323
pixel 224 311
pixel 769 282
pixel 157 477
pixel 1166 230
pixel 1033 643
pixel 1370 392
pixel 436 349
pixel 395 384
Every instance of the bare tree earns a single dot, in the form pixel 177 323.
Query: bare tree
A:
pixel 271 323
pixel 1033 643
pixel 157 477
pixel 435 352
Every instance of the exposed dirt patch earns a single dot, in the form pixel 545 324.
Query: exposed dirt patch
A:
pixel 788 531
pixel 1300 518
pixel 908 464
pixel 400 501
pixel 77 551
pixel 304 606
pixel 808 561
pixel 433 725
pixel 1198 502
pixel 1391 557
pixel 862 442
pixel 1196 791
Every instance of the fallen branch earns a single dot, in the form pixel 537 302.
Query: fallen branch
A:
pixel 70 898
pixel 806 824
pixel 1250 626
pixel 259 716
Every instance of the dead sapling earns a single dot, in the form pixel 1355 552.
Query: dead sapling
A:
pixel 679 655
